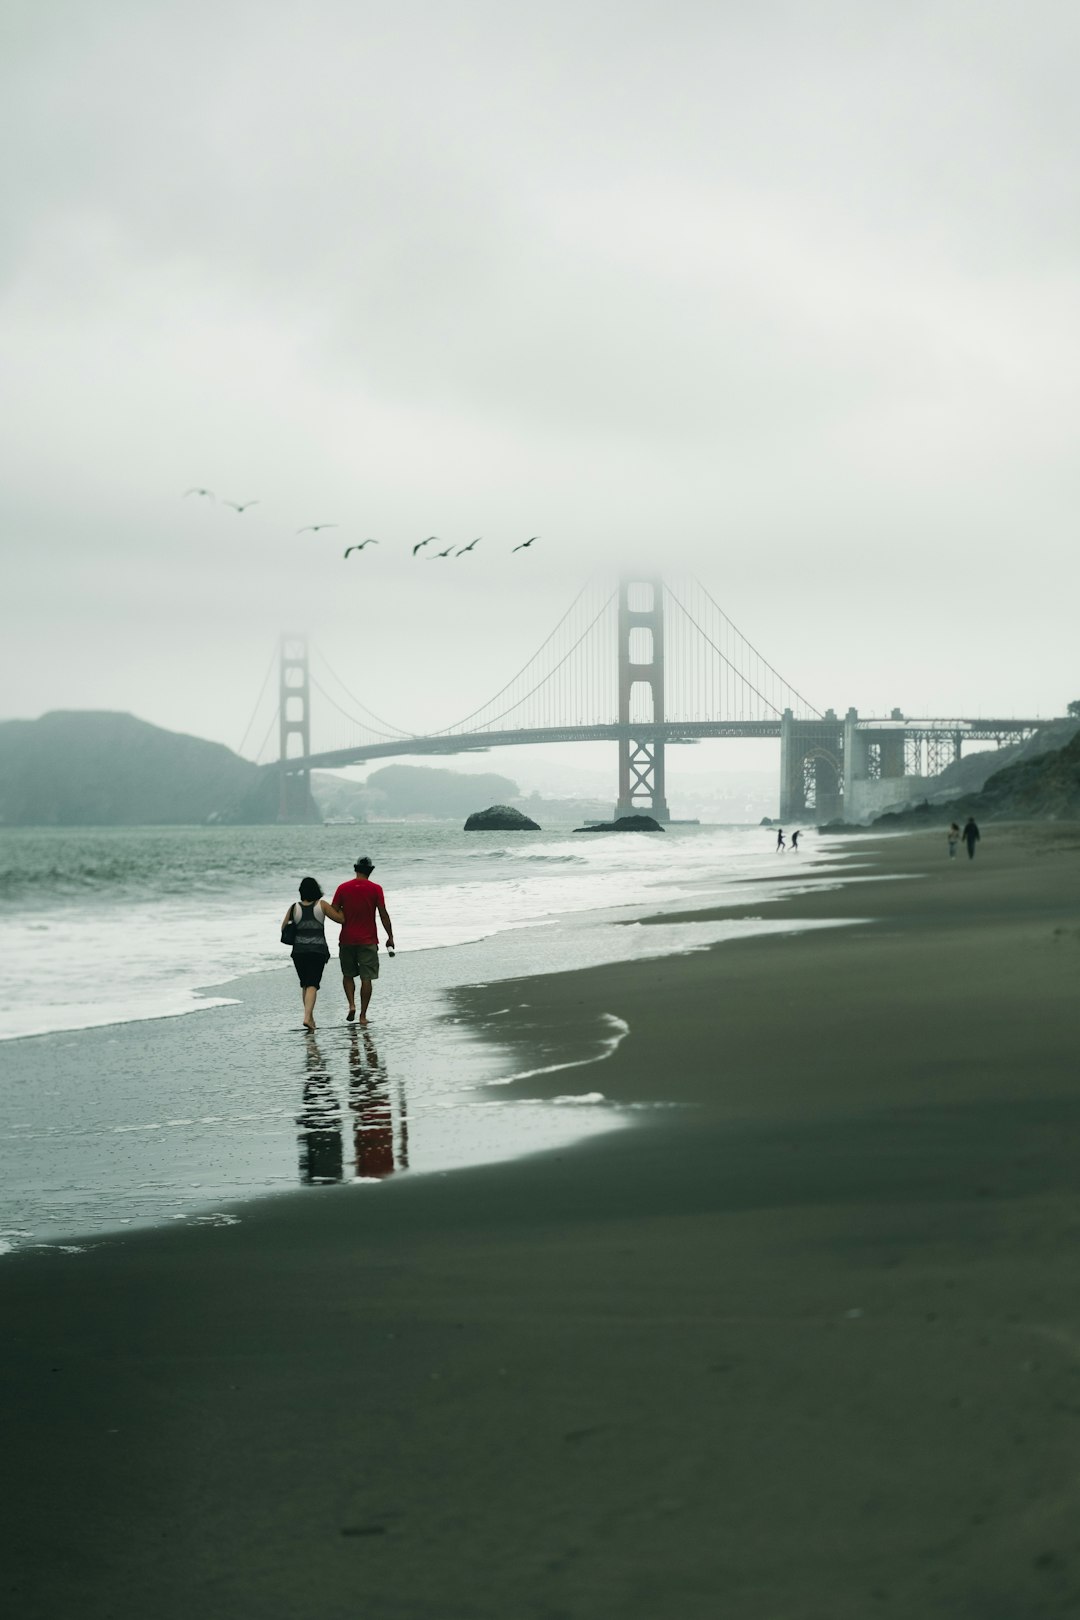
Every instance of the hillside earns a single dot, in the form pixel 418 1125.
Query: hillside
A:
pixel 93 768
pixel 1043 787
pixel 970 774
pixel 399 791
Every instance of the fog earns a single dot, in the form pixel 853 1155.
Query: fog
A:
pixel 783 296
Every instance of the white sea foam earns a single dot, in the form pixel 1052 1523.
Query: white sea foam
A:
pixel 619 1028
pixel 98 955
pixel 134 1126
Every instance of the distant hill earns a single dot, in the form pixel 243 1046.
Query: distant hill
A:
pixel 1038 787
pixel 96 768
pixel 338 798
pixel 420 789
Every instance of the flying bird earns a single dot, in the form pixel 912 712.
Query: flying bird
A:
pixel 445 553
pixel 360 544
pixel 207 492
pixel 524 544
pixel 420 544
pixel 313 528
pixel 241 506
pixel 470 545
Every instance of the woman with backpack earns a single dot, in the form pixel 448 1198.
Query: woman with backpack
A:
pixel 302 927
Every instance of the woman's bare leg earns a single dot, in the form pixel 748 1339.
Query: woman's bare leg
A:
pixel 310 992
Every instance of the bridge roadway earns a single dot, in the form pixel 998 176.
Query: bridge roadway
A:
pixel 993 730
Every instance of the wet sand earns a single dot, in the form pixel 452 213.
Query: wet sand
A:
pixel 802 1344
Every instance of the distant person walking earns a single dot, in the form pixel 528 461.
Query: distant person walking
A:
pixel 780 845
pixel 361 901
pixel 971 836
pixel 310 952
pixel 953 836
pixel 795 841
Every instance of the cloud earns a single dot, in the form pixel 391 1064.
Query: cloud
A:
pixel 783 296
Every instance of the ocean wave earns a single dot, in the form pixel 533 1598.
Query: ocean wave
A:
pixel 524 856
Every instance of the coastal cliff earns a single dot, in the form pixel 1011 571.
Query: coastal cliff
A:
pixel 1038 787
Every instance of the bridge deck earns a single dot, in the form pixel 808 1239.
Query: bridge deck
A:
pixel 980 730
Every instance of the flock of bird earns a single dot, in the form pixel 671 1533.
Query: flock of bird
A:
pixel 313 528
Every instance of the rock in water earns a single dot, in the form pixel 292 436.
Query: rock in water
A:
pixel 500 818
pixel 624 824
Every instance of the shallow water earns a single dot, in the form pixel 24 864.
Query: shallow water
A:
pixel 182 1118
pixel 116 924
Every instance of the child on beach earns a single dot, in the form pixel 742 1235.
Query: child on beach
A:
pixel 954 838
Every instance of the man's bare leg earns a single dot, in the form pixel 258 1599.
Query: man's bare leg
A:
pixel 365 997
pixel 349 987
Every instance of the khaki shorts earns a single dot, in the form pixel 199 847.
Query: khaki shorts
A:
pixel 359 961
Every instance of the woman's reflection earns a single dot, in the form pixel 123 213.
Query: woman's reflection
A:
pixel 319 1123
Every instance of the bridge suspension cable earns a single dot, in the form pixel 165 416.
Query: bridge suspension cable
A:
pixel 572 691
pixel 262 693
pixel 364 727
pixel 266 738
pixel 385 730
pixel 743 686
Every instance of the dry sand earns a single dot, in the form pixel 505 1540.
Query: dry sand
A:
pixel 804 1346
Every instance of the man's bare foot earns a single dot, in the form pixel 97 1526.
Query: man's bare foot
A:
pixel 350 1015
pixel 308 1025
pixel 362 1020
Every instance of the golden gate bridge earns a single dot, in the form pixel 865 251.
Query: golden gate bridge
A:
pixel 644 664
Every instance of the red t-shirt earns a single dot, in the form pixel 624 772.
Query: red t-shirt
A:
pixel 359 899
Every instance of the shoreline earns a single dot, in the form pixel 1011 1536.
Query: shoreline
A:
pixel 206 993
pixel 805 1345
pixel 171 976
pixel 142 1123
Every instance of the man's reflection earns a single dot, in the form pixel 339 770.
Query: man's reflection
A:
pixel 319 1123
pixel 373 1120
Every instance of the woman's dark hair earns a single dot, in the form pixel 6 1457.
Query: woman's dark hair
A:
pixel 309 889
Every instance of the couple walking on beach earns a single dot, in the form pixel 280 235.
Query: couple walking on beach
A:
pixel 356 905
pixel 970 836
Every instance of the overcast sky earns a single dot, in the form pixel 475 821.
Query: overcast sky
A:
pixel 785 295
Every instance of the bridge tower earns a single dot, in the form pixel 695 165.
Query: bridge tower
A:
pixel 295 803
pixel 641 697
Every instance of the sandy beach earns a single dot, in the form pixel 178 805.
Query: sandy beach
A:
pixel 801 1343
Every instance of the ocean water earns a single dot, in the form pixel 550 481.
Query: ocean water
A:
pixel 115 924
pixel 151 1062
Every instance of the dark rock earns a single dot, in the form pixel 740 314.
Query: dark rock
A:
pixel 501 818
pixel 624 824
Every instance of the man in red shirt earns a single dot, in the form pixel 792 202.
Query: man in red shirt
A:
pixel 358 946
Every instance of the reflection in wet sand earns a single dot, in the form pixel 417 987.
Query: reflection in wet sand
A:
pixel 373 1121
pixel 320 1122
